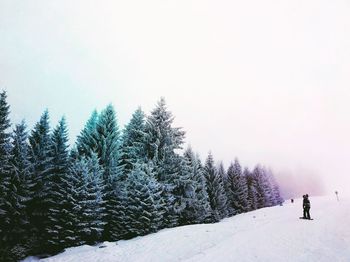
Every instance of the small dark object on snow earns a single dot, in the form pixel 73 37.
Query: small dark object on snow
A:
pixel 102 246
pixel 336 193
pixel 292 200
pixel 306 218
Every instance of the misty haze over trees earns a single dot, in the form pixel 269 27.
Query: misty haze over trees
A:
pixel 296 183
pixel 112 184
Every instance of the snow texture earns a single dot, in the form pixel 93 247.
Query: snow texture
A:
pixel 268 234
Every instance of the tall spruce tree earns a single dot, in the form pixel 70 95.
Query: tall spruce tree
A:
pixel 108 143
pixel 40 145
pixel 115 206
pixel 161 138
pixel 4 172
pixel 144 204
pixel 237 189
pixel 86 141
pixel 183 191
pixel 56 196
pixel 277 194
pixel 132 148
pixel 221 170
pixel 161 141
pixel 198 209
pixel 89 199
pixel 267 187
pixel 70 206
pixel 166 172
pixel 263 189
pixel 101 136
pixel 223 177
pixel 18 194
pixel 216 191
pixel 252 190
pixel 275 191
pixel 107 137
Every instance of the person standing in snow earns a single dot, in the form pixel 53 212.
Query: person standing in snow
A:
pixel 306 206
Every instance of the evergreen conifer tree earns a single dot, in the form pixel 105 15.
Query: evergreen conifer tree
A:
pixel 18 194
pixel 237 188
pixel 69 206
pixel 89 199
pixel 198 209
pixel 166 173
pixel 216 191
pixel 115 198
pixel 108 152
pixel 57 195
pixel 132 148
pixel 101 137
pixel 183 191
pixel 275 191
pixel 263 188
pixel 4 172
pixel 108 140
pixel 267 187
pixel 161 138
pixel 86 141
pixel 144 204
pixel 252 190
pixel 221 170
pixel 223 176
pixel 40 145
pixel 161 141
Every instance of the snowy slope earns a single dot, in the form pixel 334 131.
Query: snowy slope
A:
pixel 269 234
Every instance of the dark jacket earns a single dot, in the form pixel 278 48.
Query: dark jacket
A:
pixel 306 203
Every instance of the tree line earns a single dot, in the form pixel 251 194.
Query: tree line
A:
pixel 112 184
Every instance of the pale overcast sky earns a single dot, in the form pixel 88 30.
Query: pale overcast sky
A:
pixel 266 81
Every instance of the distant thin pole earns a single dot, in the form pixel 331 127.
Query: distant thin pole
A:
pixel 336 193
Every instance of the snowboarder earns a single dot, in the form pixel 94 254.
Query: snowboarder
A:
pixel 306 207
pixel 336 193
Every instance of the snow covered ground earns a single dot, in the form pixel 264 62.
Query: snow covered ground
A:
pixel 269 234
